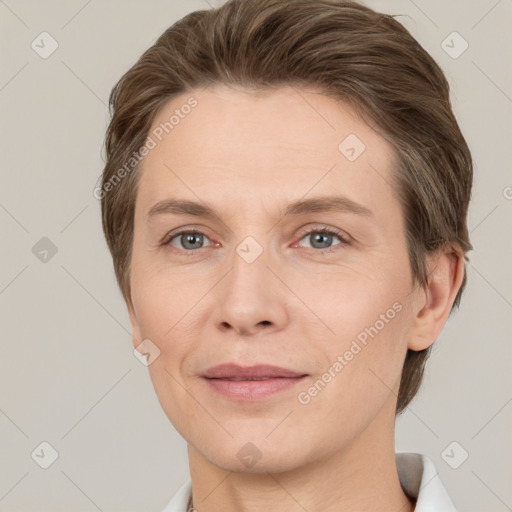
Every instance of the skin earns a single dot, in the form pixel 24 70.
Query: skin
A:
pixel 247 155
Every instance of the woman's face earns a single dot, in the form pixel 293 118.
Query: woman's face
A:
pixel 262 283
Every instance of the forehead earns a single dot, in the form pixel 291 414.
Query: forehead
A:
pixel 243 144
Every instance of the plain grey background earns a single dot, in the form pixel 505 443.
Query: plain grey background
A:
pixel 68 376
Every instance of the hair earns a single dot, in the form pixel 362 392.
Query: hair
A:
pixel 344 49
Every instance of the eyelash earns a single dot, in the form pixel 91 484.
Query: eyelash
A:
pixel 344 241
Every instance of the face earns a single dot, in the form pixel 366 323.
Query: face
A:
pixel 299 263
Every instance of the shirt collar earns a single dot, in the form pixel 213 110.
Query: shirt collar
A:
pixel 418 478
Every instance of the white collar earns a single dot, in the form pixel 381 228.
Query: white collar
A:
pixel 418 478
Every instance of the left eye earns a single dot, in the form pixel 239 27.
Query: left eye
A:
pixel 322 239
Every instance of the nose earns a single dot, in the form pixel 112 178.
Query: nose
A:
pixel 251 299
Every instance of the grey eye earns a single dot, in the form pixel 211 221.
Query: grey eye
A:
pixel 320 239
pixel 189 240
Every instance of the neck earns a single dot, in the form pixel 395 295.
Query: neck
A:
pixel 362 476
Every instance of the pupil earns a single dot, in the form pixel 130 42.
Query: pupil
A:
pixel 319 237
pixel 190 239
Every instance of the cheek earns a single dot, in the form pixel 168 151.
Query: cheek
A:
pixel 348 301
pixel 362 359
pixel 163 303
pixel 163 298
pixel 362 373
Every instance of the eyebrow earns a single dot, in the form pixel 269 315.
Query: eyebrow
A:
pixel 300 207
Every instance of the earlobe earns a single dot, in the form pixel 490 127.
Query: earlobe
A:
pixel 445 276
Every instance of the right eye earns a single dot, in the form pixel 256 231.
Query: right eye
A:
pixel 188 240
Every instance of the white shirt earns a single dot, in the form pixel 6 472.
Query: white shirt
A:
pixel 418 478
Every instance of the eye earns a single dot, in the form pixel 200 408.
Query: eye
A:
pixel 322 239
pixel 186 240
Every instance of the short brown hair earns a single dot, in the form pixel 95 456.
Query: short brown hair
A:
pixel 359 56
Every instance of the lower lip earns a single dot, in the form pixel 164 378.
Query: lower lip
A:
pixel 251 390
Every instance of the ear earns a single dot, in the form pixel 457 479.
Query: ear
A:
pixel 136 334
pixel 435 299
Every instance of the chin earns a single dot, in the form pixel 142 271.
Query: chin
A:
pixel 255 454
pixel 268 463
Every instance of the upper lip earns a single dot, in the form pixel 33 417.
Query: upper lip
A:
pixel 235 371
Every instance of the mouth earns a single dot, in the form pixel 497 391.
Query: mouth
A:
pixel 250 383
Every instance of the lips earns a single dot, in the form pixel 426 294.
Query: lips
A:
pixel 251 383
pixel 230 371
